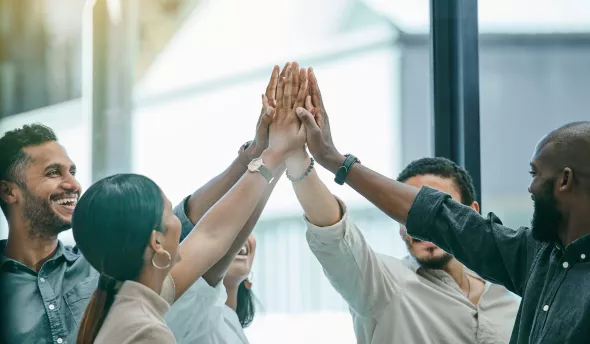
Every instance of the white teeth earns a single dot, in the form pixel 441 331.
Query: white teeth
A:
pixel 243 251
pixel 66 200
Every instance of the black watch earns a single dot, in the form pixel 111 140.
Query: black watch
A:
pixel 345 168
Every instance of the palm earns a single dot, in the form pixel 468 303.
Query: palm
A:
pixel 286 132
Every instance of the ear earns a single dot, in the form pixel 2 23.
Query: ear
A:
pixel 403 231
pixel 8 192
pixel 156 241
pixel 475 206
pixel 566 179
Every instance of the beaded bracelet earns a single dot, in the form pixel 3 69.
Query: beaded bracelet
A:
pixel 307 172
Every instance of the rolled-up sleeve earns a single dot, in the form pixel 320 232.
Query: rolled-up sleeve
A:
pixel 351 266
pixel 496 252
pixel 181 212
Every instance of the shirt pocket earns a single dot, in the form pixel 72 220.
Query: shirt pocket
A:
pixel 78 297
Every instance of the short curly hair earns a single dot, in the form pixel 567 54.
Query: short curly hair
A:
pixel 444 168
pixel 13 159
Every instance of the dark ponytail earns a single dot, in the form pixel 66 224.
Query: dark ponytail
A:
pixel 245 308
pixel 112 225
pixel 97 310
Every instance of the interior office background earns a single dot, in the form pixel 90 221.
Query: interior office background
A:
pixel 200 69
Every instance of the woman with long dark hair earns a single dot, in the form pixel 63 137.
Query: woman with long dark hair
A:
pixel 125 227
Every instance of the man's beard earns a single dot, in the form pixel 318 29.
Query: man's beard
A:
pixel 430 262
pixel 546 217
pixel 43 221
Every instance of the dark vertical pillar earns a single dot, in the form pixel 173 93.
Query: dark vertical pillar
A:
pixel 455 83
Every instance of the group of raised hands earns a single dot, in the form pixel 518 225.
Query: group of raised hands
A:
pixel 292 115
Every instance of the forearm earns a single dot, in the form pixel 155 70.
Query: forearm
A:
pixel 352 267
pixel 495 252
pixel 207 195
pixel 218 228
pixel 318 203
pixel 392 197
pixel 214 275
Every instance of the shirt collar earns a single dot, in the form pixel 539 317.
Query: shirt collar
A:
pixel 137 291
pixel 578 248
pixel 70 254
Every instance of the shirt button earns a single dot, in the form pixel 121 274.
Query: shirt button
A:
pixel 565 265
pixel 59 340
pixel 546 308
pixel 42 279
pixel 51 307
pixel 583 256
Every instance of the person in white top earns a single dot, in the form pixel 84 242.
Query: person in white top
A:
pixel 429 297
pixel 230 305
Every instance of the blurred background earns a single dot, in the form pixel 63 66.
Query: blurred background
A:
pixel 171 89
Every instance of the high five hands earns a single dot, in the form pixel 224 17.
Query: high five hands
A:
pixel 293 114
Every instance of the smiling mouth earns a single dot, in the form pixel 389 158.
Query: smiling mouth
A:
pixel 68 202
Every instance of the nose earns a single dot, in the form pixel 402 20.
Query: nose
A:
pixel 70 184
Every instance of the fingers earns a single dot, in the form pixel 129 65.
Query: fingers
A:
pixel 302 133
pixel 309 106
pixel 303 88
pixel 271 88
pixel 268 115
pixel 296 79
pixel 284 71
pixel 288 90
pixel 307 119
pixel 316 96
pixel 265 102
pixel 281 84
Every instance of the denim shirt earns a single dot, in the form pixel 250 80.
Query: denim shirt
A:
pixel 47 307
pixel 553 280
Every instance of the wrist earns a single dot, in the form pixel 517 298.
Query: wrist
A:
pixel 331 161
pixel 252 151
pixel 272 159
pixel 297 163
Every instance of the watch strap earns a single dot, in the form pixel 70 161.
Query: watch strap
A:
pixel 266 173
pixel 342 172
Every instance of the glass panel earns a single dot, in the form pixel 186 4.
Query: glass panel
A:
pixel 530 85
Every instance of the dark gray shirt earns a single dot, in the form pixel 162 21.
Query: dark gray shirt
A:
pixel 47 307
pixel 553 280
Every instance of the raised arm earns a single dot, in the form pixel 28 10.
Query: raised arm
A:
pixel 215 232
pixel 193 209
pixel 453 230
pixel 349 263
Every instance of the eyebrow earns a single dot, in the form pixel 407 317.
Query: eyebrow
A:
pixel 58 166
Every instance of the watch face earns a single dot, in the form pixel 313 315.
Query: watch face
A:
pixel 255 164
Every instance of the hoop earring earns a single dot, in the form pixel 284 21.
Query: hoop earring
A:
pixel 248 281
pixel 162 267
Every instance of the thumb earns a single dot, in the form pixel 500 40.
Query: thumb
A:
pixel 268 115
pixel 307 118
